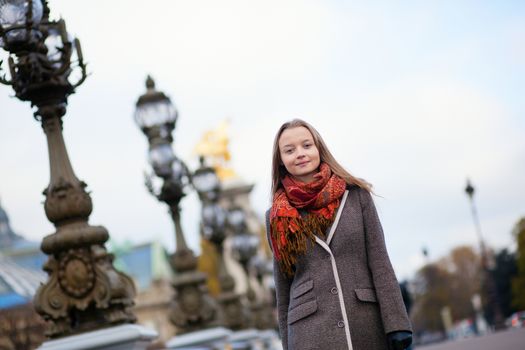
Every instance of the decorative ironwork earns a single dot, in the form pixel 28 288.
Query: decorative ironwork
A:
pixel 76 275
pixel 214 223
pixel 192 308
pixel 244 249
pixel 84 291
pixel 262 308
pixel 41 60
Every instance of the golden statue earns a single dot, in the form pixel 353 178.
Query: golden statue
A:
pixel 213 146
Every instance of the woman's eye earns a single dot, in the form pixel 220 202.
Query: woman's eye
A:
pixel 288 151
pixel 307 145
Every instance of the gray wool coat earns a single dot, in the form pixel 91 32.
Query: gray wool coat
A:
pixel 344 293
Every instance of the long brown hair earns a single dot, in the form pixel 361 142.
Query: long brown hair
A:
pixel 279 170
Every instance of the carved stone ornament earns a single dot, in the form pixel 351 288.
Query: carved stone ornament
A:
pixel 183 260
pixel 84 292
pixel 192 309
pixel 67 200
pixel 233 313
pixel 76 275
pixel 264 318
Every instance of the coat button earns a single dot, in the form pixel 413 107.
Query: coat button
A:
pixel 333 290
pixel 340 324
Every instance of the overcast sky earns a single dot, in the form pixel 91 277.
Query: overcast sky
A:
pixel 412 96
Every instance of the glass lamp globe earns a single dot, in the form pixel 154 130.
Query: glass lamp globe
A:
pixel 237 219
pixel 56 39
pixel 214 221
pixel 154 109
pixel 179 172
pixel 54 44
pixel 205 180
pixel 161 158
pixel 13 20
pixel 244 247
pixel 258 265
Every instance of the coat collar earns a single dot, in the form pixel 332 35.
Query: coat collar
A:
pixel 334 224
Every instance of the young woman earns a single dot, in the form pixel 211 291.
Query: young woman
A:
pixel 335 286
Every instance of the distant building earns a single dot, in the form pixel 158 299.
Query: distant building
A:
pixel 20 326
pixel 8 238
pixel 23 252
pixel 21 273
pixel 147 264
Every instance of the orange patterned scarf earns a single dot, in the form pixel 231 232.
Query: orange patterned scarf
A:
pixel 289 230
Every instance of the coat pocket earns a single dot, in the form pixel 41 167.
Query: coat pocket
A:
pixel 302 311
pixel 366 294
pixel 302 288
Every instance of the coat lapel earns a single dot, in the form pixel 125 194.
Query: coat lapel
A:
pixel 334 225
pixel 337 217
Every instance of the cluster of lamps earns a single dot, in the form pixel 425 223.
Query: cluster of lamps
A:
pixel 84 291
pixel 156 116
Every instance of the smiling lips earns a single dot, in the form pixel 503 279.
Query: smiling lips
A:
pixel 302 163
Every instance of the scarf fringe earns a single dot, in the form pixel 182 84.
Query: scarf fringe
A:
pixel 295 242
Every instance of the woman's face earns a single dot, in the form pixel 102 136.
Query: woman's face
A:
pixel 298 153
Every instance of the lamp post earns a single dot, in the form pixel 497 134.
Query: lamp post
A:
pixel 263 267
pixel 213 228
pixel 488 280
pixel 244 249
pixel 192 309
pixel 84 291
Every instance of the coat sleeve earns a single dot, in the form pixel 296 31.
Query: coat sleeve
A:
pixel 282 291
pixel 393 311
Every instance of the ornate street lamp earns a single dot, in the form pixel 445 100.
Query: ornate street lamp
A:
pixel 84 291
pixel 488 280
pixel 244 247
pixel 213 228
pixel 192 309
pixel 262 267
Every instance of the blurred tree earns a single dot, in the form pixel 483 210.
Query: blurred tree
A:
pixel 465 267
pixel 450 282
pixel 431 295
pixel 518 282
pixel 505 270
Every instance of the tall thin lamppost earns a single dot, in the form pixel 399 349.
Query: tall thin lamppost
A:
pixel 244 248
pixel 192 308
pixel 262 267
pixel 84 291
pixel 213 228
pixel 488 284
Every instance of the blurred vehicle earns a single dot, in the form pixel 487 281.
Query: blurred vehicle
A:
pixel 516 320
pixel 428 337
pixel 463 329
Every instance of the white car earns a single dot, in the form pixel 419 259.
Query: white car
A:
pixel 516 320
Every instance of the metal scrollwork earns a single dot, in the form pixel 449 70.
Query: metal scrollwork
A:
pixel 76 274
pixel 84 291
